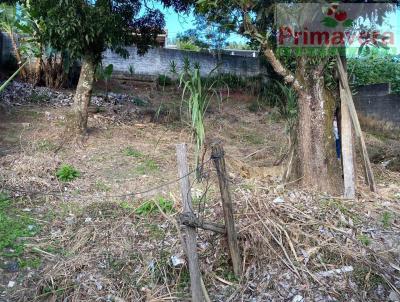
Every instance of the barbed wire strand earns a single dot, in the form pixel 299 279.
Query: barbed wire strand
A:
pixel 59 194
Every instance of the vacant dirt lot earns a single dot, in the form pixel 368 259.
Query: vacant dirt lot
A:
pixel 110 234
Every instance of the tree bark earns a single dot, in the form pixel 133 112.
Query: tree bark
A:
pixel 23 72
pixel 82 97
pixel 316 163
pixel 38 71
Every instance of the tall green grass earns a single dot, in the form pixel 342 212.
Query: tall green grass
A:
pixel 198 94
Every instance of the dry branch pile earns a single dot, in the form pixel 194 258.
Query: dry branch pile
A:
pixel 318 248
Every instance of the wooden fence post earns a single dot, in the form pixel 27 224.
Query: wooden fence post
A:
pixel 190 232
pixel 217 154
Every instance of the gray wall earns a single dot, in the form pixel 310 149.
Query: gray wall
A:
pixel 376 101
pixel 157 61
pixel 5 47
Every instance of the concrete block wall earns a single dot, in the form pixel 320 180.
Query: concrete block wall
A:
pixel 376 101
pixel 157 61
pixel 384 108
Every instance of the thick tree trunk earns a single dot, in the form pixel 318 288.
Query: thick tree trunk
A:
pixel 316 163
pixel 82 97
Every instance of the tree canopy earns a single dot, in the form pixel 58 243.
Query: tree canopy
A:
pixel 206 34
pixel 87 28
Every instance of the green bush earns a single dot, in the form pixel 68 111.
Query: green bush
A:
pixel 67 173
pixel 374 69
pixel 187 45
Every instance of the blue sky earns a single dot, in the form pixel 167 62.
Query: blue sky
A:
pixel 393 23
pixel 176 23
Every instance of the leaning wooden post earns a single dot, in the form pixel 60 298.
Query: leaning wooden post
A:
pixel 190 232
pixel 347 149
pixel 217 154
pixel 369 175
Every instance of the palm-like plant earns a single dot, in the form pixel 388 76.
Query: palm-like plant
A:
pixel 287 106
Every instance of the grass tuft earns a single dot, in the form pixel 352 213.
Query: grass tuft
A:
pixel 147 167
pixel 386 219
pixel 129 151
pixel 364 239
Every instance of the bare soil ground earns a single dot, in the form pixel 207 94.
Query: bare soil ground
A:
pixel 111 233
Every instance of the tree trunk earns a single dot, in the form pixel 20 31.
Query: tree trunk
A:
pixel 82 97
pixel 316 163
pixel 38 71
pixel 22 73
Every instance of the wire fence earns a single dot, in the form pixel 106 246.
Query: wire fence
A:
pixel 204 175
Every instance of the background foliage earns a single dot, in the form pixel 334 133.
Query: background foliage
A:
pixel 375 69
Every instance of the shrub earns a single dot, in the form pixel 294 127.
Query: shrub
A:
pixel 164 80
pixel 67 173
pixel 187 45
pixel 375 69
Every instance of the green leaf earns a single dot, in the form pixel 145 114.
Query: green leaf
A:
pixel 348 23
pixel 329 22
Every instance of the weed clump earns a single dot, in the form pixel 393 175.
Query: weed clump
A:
pixel 13 228
pixel 129 151
pixel 147 167
pixel 386 219
pixel 364 239
pixel 67 173
pixel 150 206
